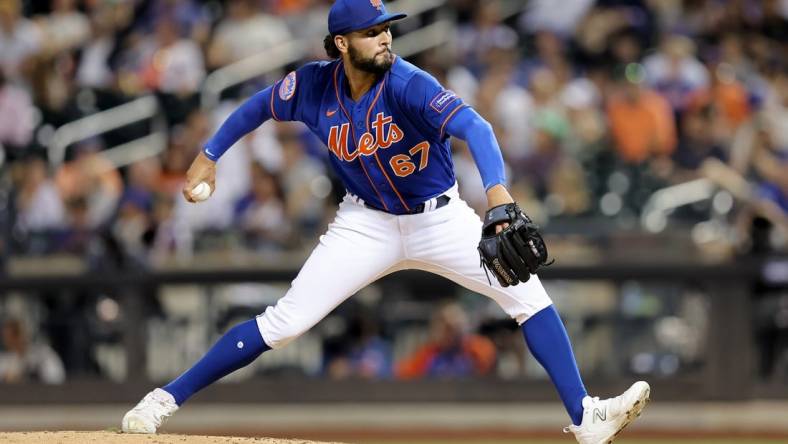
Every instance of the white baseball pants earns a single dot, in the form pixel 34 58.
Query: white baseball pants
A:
pixel 362 245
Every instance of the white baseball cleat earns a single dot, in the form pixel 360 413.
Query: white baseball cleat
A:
pixel 604 419
pixel 150 413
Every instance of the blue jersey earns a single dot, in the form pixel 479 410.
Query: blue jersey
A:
pixel 390 147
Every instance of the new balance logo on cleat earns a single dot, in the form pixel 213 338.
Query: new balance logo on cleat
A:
pixel 604 419
pixel 600 414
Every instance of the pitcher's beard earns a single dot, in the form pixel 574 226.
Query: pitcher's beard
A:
pixel 371 65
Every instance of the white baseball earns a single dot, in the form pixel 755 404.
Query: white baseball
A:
pixel 201 192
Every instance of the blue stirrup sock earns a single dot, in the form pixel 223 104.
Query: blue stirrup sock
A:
pixel 547 339
pixel 238 347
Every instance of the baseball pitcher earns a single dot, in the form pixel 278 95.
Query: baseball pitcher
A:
pixel 387 126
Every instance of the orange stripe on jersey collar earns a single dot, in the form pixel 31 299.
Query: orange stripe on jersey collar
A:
pixel 353 135
pixel 369 114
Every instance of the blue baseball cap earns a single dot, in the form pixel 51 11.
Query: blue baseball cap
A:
pixel 353 15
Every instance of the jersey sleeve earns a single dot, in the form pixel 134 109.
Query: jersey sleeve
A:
pixel 478 133
pixel 295 97
pixel 434 104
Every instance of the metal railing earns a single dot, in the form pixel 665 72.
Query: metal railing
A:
pixel 428 37
pixel 250 68
pixel 664 201
pixel 510 8
pixel 143 108
pixel 147 107
pixel 276 58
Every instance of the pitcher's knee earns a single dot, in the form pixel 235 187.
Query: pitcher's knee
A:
pixel 525 300
pixel 279 329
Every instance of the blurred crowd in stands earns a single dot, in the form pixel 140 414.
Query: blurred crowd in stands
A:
pixel 596 103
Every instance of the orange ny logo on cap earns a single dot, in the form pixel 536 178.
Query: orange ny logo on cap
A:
pixel 378 4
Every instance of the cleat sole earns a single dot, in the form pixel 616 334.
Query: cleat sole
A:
pixel 631 414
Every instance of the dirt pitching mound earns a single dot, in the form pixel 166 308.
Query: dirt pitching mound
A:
pixel 123 438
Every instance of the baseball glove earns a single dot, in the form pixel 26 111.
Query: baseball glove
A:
pixel 515 253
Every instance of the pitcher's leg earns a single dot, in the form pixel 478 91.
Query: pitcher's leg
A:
pixel 329 276
pixel 360 246
pixel 237 348
pixel 445 243
pixel 447 247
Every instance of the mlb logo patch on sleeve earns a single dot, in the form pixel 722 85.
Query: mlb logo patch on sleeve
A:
pixel 288 87
pixel 441 101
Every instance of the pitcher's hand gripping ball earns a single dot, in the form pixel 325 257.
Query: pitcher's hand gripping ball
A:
pixel 201 192
pixel 515 253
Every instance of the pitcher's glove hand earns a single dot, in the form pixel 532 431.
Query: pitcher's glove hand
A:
pixel 515 253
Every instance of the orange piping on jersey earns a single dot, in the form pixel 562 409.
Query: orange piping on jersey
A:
pixel 273 93
pixel 369 114
pixel 374 101
pixel 353 136
pixel 449 118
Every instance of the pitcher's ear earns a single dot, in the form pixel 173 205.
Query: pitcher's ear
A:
pixel 341 43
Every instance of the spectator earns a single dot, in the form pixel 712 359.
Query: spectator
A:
pixel 550 129
pixel 560 181
pixel 542 15
pixel 582 101
pixel 38 204
pixel 305 18
pixel 775 110
pixel 174 165
pixel 173 65
pixel 93 70
pixel 545 86
pixel 261 213
pixel 476 40
pixel 245 31
pixel 190 18
pixel 624 47
pixel 77 236
pixel 167 239
pixel 24 360
pixel 508 106
pixel 452 350
pixel 733 56
pixel 360 353
pixel 90 185
pixel 697 143
pixel 303 179
pixel 550 54
pixel 641 120
pixel 469 180
pixel 769 164
pixel 20 41
pixel 17 131
pixel 546 90
pixel 133 225
pixel 674 71
pixel 729 100
pixel 605 21
pixel 65 28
